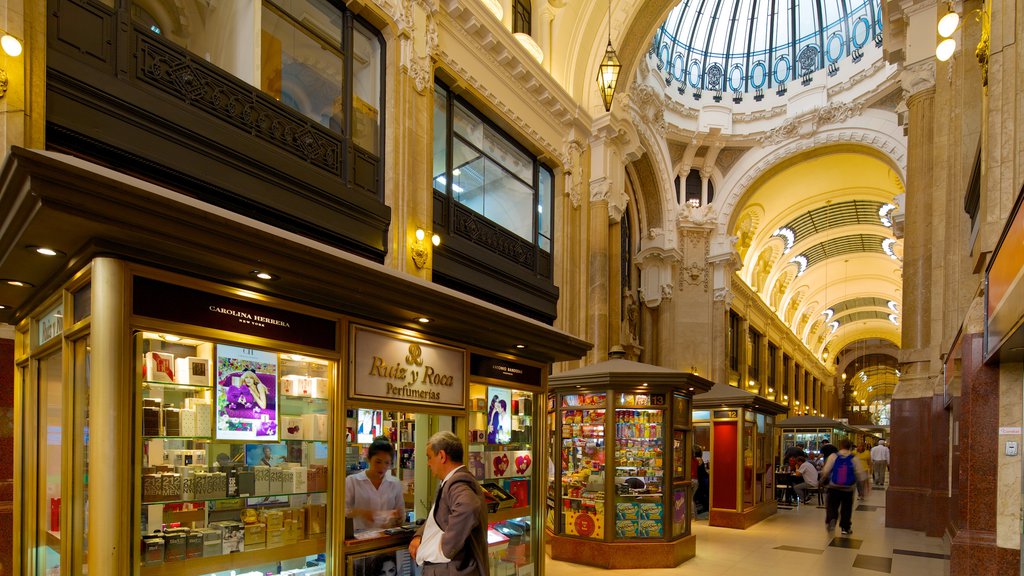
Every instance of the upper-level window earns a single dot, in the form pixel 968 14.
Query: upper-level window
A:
pixel 307 54
pixel 521 17
pixel 479 166
pixel 734 341
pixel 693 186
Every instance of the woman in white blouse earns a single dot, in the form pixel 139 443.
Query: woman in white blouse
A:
pixel 373 497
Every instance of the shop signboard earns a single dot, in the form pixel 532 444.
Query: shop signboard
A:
pixel 501 369
pixel 51 325
pixel 156 299
pixel 388 366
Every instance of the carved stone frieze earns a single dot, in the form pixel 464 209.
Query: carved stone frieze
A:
pixel 779 134
pixel 695 244
pixel 835 113
pixel 648 104
pixel 198 84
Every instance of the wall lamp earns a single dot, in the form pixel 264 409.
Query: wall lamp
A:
pixel 419 247
pixel 11 47
pixel 950 23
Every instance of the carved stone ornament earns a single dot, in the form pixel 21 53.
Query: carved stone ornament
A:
pixel 649 106
pixel 702 215
pixel 723 295
pixel 918 77
pixel 836 113
pixel 573 162
pixel 779 134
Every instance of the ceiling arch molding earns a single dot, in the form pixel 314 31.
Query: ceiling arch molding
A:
pixel 873 136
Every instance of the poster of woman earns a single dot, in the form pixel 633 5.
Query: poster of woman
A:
pixel 499 419
pixel 246 394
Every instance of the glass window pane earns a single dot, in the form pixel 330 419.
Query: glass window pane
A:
pixel 205 35
pixel 366 85
pixel 467 176
pixel 467 125
pixel 505 153
pixel 440 139
pixel 83 352
pixel 508 201
pixel 545 195
pixel 51 441
pixel 83 303
pixel 302 66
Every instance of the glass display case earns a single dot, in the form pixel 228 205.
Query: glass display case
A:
pixel 502 456
pixel 233 451
pixel 632 487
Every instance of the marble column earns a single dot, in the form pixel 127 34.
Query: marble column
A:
pixel 597 285
pixel 915 422
pixel 615 316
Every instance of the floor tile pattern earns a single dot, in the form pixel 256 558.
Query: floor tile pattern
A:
pixel 795 541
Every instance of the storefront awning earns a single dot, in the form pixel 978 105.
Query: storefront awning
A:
pixel 86 210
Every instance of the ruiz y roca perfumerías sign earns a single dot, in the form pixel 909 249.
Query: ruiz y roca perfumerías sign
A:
pixel 392 367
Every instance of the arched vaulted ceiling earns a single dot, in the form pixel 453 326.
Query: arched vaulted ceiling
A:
pixel 814 238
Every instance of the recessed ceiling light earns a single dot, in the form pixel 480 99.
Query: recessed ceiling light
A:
pixel 644 384
pixel 18 283
pixel 520 346
pixel 423 320
pixel 171 337
pixel 3 307
pixel 263 275
pixel 45 251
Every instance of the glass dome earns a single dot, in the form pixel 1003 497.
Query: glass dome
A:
pixel 740 47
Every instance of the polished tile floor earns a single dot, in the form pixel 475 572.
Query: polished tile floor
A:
pixel 794 542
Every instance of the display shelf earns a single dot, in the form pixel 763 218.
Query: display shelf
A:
pixel 193 387
pixel 195 438
pixel 303 398
pixel 53 540
pixel 238 560
pixel 508 514
pixel 644 495
pixel 145 503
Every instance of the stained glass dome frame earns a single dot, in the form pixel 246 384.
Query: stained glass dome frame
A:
pixel 742 47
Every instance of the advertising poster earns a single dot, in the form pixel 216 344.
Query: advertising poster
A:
pixel 246 394
pixel 499 416
pixel 370 425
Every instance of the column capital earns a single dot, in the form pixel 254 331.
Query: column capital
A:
pixel 918 79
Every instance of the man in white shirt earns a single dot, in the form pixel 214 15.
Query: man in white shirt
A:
pixel 879 462
pixel 810 478
pixel 453 540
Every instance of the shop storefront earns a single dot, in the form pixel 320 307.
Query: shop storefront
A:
pixel 811 432
pixel 178 417
pixel 621 439
pixel 737 429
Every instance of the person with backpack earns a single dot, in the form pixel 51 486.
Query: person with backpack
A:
pixel 843 470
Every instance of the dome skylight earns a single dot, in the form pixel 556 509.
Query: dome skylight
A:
pixel 755 46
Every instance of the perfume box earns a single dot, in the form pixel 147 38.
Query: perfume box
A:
pixel 318 387
pixel 171 486
pixel 279 477
pixel 151 487
pixel 172 421
pixel 299 480
pixel 274 519
pixel 152 551
pixel 175 543
pixel 275 537
pixel 255 536
pixel 151 416
pixel 291 531
pixel 315 426
pixel 159 367
pixel 232 481
pixel 211 541
pixel 232 536
pixel 188 422
pixel 262 475
pixel 316 519
pixel 191 370
pixel 246 482
pixel 291 428
pixel 194 545
pixel 295 385
pixel 219 484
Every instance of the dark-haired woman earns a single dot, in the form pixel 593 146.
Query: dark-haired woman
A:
pixel 373 497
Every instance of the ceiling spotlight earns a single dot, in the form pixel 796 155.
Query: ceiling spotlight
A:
pixel 4 307
pixel 520 346
pixel 171 338
pixel 18 283
pixel 263 275
pixel 45 251
pixel 423 320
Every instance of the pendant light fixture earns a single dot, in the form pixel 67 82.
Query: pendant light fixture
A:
pixel 608 71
